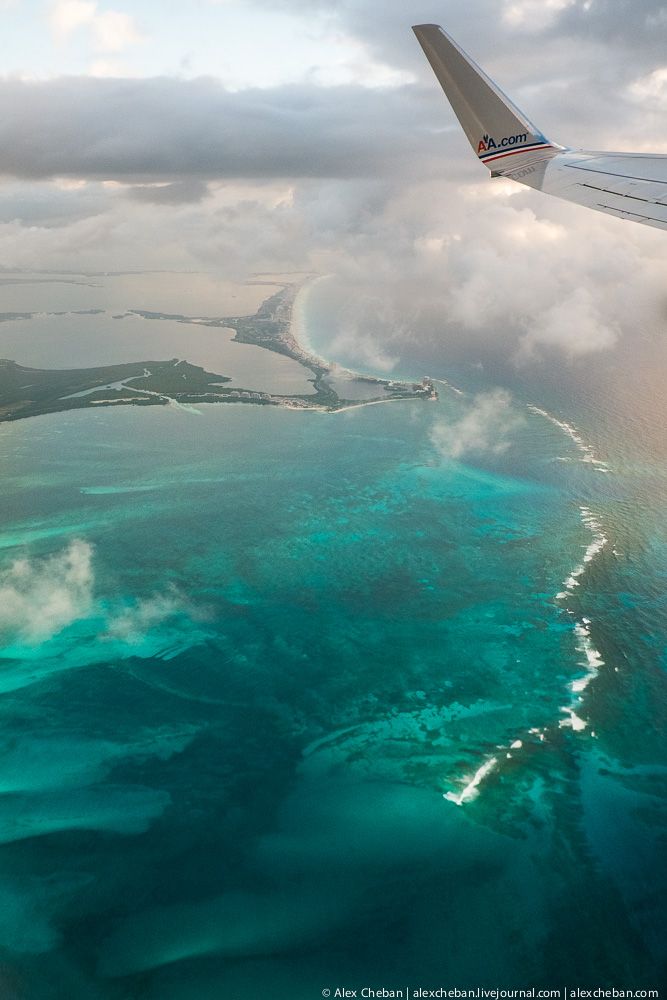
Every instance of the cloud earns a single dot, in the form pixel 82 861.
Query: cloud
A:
pixel 355 64
pixel 363 351
pixel 68 15
pixel 40 598
pixel 576 325
pixel 622 23
pixel 176 193
pixel 430 257
pixel 423 270
pixel 112 30
pixel 364 333
pixel 163 128
pixel 534 15
pixel 383 24
pixel 443 272
pixel 50 205
pixel 135 622
pixel 652 88
pixel 485 429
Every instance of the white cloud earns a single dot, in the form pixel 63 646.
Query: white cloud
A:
pixel 652 88
pixel 575 325
pixel 485 429
pixel 113 68
pixel 112 30
pixel 134 622
pixel 535 285
pixel 428 253
pixel 350 62
pixel 534 15
pixel 68 15
pixel 363 349
pixel 39 598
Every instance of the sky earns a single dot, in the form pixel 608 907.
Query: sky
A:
pixel 236 137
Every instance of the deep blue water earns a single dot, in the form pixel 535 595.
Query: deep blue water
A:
pixel 248 652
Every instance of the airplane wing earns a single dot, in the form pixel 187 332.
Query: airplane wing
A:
pixel 628 185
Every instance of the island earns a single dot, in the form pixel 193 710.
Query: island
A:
pixel 27 392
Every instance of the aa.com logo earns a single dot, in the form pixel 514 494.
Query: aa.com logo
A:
pixel 488 143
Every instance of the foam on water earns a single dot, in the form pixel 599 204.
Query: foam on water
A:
pixel 588 456
pixel 572 721
pixel 449 385
pixel 295 817
pixel 591 657
pixel 470 791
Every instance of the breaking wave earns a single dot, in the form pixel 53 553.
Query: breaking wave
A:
pixel 591 658
pixel 588 456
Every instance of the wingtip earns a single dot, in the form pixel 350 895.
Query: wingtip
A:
pixel 427 33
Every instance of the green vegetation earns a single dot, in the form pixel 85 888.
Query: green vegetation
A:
pixel 28 392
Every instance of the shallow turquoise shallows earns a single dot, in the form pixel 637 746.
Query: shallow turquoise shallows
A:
pixel 295 701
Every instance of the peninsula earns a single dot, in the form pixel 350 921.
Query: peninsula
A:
pixel 26 392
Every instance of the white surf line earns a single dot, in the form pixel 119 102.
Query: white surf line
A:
pixel 592 657
pixel 596 546
pixel 587 453
pixel 448 385
pixel 470 791
pixel 298 333
pixel 592 661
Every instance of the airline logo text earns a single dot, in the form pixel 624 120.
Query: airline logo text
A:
pixel 488 143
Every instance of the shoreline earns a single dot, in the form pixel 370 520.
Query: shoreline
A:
pixel 278 325
pixel 298 323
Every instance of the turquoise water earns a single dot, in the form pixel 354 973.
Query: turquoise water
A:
pixel 247 655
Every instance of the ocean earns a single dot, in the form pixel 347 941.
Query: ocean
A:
pixel 297 701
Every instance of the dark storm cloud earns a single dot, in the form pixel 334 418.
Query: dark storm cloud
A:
pixel 143 130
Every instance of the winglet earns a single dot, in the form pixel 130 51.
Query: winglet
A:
pixel 500 134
